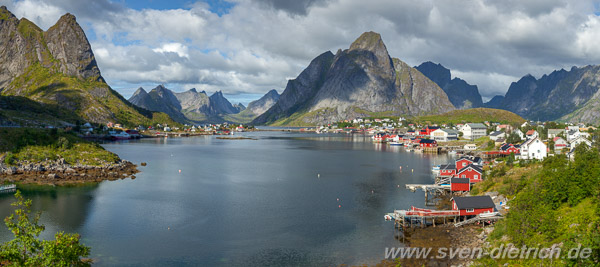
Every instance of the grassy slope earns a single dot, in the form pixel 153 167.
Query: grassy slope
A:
pixel 473 115
pixel 38 145
pixel 555 202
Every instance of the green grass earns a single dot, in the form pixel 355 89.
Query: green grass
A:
pixel 473 115
pixel 38 145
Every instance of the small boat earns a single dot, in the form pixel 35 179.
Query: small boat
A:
pixel 394 143
pixel 435 168
pixel 489 214
pixel 8 188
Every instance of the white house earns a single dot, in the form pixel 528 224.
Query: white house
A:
pixel 559 144
pixel 444 135
pixel 519 133
pixel 473 130
pixel 573 134
pixel 494 136
pixel 579 140
pixel 555 132
pixel 532 134
pixel 470 147
pixel 533 149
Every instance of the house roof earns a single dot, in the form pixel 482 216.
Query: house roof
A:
pixel 477 125
pixel 448 167
pixel 467 158
pixel 459 180
pixel 530 132
pixel 496 133
pixel 474 167
pixel 450 131
pixel 427 141
pixel 557 138
pixel 475 202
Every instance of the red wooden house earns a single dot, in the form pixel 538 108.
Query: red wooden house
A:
pixel 473 172
pixel 427 130
pixel 510 148
pixel 447 170
pixel 427 143
pixel 463 162
pixel 473 205
pixel 460 184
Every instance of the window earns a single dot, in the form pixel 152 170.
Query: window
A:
pixel 463 176
pixel 470 210
pixel 476 177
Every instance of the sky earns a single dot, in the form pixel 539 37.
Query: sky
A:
pixel 247 47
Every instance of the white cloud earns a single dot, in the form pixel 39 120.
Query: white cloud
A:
pixel 259 44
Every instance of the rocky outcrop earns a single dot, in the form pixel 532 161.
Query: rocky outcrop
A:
pixel 461 94
pixel 60 173
pixel 360 81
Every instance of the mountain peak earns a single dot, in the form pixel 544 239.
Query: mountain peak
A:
pixel 140 91
pixel 5 13
pixel 368 41
pixel 193 90
pixel 67 18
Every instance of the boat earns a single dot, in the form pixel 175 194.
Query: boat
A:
pixel 119 136
pixel 489 214
pixel 435 169
pixel 8 188
pixel 394 143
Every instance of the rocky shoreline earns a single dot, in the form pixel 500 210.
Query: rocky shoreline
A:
pixel 61 173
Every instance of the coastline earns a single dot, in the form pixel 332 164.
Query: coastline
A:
pixel 60 173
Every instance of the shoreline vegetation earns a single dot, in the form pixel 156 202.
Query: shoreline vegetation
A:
pixel 56 157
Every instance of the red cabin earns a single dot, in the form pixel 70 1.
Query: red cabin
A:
pixel 463 162
pixel 447 170
pixel 510 148
pixel 460 185
pixel 427 143
pixel 473 205
pixel 473 172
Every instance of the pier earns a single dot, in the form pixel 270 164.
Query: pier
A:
pixel 8 188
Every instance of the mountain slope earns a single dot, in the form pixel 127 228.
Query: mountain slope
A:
pixel 58 67
pixel 360 81
pixel 472 115
pixel 255 108
pixel 495 102
pixel 461 94
pixel 562 95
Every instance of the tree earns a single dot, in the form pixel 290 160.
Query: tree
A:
pixel 27 250
pixel 513 138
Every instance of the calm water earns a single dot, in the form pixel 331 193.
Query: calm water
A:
pixel 271 201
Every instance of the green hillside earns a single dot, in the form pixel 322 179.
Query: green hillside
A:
pixel 472 115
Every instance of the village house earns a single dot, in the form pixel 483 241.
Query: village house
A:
pixel 559 144
pixel 510 148
pixel 473 205
pixel 555 132
pixel 504 127
pixel 473 130
pixel 427 143
pixel 444 135
pixel 580 140
pixel 519 133
pixel 470 147
pixel 533 149
pixel 532 134
pixel 497 135
pixel 447 170
pixel 472 171
pixel 428 130
pixel 460 185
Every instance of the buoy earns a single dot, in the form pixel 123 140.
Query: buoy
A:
pixel 398 186
pixel 168 228
pixel 318 175
pixel 412 170
pixel 338 199
pixel 339 206
pixel 179 171
pixel 372 191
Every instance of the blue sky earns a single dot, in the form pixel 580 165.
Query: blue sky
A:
pixel 245 48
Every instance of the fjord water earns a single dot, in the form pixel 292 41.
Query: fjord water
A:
pixel 264 202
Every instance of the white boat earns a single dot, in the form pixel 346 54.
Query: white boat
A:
pixel 489 214
pixel 119 135
pixel 395 143
pixel 8 188
pixel 435 169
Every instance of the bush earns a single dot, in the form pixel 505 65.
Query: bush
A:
pixel 9 159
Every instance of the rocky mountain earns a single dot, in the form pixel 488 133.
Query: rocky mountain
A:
pixel 57 67
pixel 255 108
pixel 562 95
pixel 495 102
pixel 461 94
pixel 360 81
pixel 188 106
